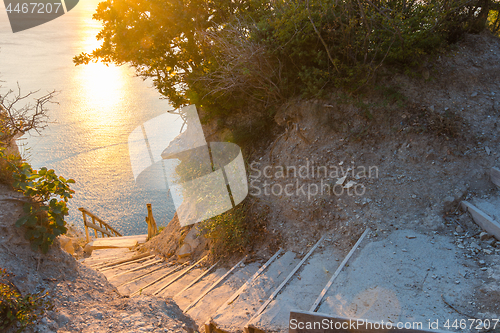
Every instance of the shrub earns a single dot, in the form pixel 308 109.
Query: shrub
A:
pixel 337 43
pixel 44 215
pixel 232 232
pixel 494 19
pixel 18 310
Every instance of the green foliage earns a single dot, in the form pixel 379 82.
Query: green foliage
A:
pixel 229 55
pixel 44 215
pixel 231 232
pixel 19 310
pixel 494 19
pixel 342 44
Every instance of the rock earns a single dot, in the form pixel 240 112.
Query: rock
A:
pixel 484 236
pixel 341 181
pixel 192 238
pixel 474 245
pixel 487 251
pixel 448 203
pixel 88 248
pixel 96 314
pixel 67 244
pixel 481 262
pixel 459 229
pixel 431 108
pixel 62 318
pixel 430 157
pixel 434 222
pixel 474 94
pixel 184 251
pixel 491 242
pixel 488 150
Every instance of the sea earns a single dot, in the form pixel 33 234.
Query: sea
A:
pixel 97 109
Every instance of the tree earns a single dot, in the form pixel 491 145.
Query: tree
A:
pixel 161 38
pixel 17 120
pixel 225 54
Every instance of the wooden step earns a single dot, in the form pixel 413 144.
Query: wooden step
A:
pixel 239 311
pixel 193 277
pixel 100 256
pixel 300 291
pixel 139 285
pixel 185 298
pixel 117 242
pixel 170 280
pixel 398 278
pixel 207 304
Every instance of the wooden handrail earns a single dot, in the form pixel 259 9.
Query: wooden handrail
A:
pixel 150 220
pixel 103 227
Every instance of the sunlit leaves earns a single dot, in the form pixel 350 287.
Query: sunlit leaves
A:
pixel 43 217
pixel 19 310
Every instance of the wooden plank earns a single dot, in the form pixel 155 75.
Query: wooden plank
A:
pixel 154 262
pixel 96 261
pixel 283 284
pixel 495 176
pixel 98 228
pixel 196 280
pixel 215 284
pixel 181 274
pixel 140 256
pixel 210 325
pixel 108 254
pixel 166 275
pixel 126 263
pixel 101 261
pixel 313 322
pixel 140 276
pixel 138 291
pixel 482 219
pixel 112 242
pixel 337 272
pixel 139 238
pixel 251 279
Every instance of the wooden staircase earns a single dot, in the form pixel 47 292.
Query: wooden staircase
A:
pixel 256 294
pixel 263 294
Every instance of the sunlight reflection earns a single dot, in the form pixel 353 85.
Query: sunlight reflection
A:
pixel 104 86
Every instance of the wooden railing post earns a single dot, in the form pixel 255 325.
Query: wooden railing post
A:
pixel 86 227
pixel 103 227
pixel 150 220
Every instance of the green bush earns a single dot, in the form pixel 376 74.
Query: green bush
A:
pixel 231 232
pixel 44 215
pixel 494 19
pixel 230 57
pixel 324 43
pixel 18 310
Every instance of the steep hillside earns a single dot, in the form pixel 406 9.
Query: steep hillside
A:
pixel 414 148
pixel 83 299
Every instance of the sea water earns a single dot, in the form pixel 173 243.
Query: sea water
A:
pixel 98 108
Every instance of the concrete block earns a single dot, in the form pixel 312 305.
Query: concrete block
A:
pixel 495 176
pixel 482 219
